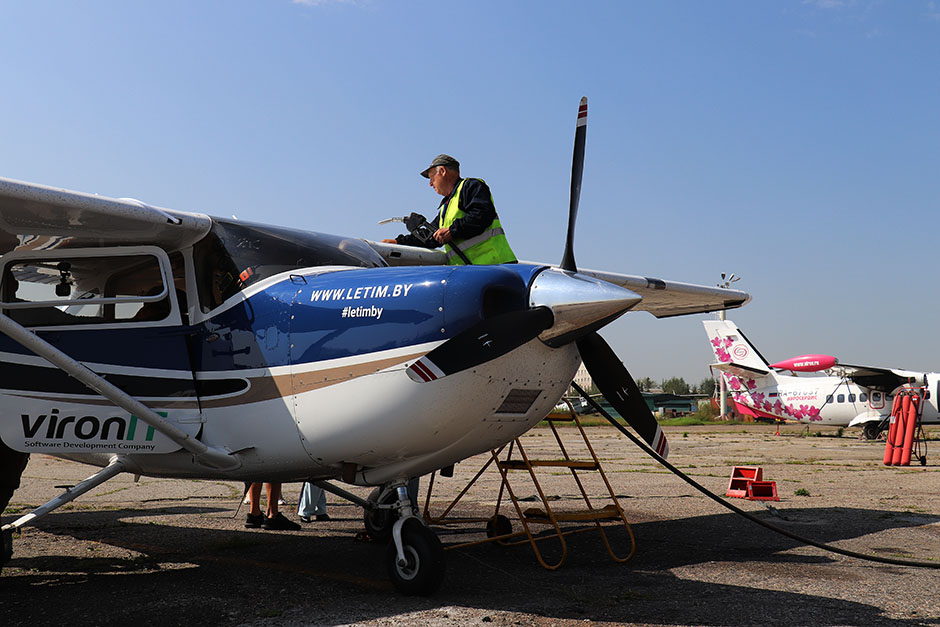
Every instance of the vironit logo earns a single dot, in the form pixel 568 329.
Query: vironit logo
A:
pixel 59 427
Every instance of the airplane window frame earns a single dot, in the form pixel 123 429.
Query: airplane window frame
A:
pixel 840 398
pixel 56 313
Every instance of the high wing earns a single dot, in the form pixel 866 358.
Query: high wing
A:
pixel 660 298
pixel 664 299
pixel 883 379
pixel 36 216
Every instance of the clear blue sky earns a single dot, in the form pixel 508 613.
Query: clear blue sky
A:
pixel 795 143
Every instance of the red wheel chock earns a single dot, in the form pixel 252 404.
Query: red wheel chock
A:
pixel 762 491
pixel 740 477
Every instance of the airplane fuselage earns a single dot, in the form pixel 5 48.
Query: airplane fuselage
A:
pixel 826 400
pixel 302 374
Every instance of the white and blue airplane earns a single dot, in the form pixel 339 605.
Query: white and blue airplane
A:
pixel 143 340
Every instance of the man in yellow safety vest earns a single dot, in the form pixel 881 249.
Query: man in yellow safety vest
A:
pixel 466 218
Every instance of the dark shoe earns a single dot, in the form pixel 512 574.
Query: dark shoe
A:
pixel 253 522
pixel 279 523
pixel 323 516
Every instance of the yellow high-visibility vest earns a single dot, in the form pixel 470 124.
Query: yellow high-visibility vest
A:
pixel 489 247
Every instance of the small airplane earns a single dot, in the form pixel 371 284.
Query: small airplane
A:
pixel 847 396
pixel 170 344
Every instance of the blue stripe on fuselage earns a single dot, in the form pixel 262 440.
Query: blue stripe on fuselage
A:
pixel 352 312
pixel 325 316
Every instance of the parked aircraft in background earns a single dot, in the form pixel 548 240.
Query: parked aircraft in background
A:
pixel 849 396
pixel 173 344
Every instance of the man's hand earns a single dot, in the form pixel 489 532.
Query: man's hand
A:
pixel 389 241
pixel 443 236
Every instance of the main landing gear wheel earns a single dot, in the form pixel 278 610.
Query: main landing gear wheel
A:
pixel 379 522
pixel 6 549
pixel 871 430
pixel 423 569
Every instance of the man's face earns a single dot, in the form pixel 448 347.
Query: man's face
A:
pixel 436 179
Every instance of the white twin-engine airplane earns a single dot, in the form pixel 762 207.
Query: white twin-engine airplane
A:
pixel 849 396
pixel 173 344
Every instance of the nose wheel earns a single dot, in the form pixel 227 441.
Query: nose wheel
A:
pixel 420 570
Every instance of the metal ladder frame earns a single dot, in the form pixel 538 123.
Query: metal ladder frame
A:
pixel 546 516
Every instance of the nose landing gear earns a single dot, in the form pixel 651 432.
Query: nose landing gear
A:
pixel 415 556
pixel 419 568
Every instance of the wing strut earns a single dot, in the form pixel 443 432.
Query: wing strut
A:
pixel 208 456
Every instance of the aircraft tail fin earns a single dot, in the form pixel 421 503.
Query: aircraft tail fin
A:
pixel 734 353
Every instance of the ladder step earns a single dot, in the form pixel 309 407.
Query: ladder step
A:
pixel 518 464
pixel 537 515
pixel 560 417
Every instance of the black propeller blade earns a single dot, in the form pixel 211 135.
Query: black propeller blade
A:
pixel 608 372
pixel 482 342
pixel 577 169
pixel 618 387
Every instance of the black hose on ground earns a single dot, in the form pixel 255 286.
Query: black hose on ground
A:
pixel 738 510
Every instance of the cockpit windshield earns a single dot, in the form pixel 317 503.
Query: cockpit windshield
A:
pixel 236 254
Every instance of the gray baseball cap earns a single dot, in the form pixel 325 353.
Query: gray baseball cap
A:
pixel 444 160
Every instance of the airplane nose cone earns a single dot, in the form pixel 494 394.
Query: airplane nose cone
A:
pixel 580 304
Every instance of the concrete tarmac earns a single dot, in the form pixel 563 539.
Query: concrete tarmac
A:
pixel 168 552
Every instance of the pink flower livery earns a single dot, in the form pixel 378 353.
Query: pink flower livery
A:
pixel 720 352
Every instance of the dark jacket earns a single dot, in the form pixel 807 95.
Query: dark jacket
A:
pixel 475 201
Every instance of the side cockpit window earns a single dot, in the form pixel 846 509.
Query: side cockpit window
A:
pixel 91 286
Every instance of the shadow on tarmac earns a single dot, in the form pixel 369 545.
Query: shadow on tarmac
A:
pixel 230 576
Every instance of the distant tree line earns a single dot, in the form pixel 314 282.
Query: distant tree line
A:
pixel 677 385
pixel 674 385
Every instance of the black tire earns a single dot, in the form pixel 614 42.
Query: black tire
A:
pixel 498 525
pixel 871 430
pixel 6 548
pixel 379 522
pixel 424 571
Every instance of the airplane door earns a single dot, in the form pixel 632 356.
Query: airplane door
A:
pixel 118 311
pixel 876 400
